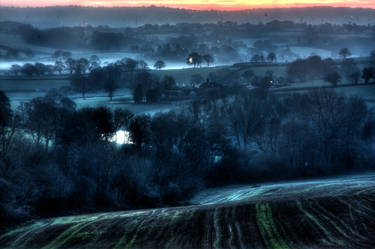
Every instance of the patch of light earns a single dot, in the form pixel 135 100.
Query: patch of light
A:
pixel 121 137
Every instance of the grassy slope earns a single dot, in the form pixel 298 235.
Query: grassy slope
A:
pixel 331 213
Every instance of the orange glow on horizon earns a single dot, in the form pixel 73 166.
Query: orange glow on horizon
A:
pixel 196 4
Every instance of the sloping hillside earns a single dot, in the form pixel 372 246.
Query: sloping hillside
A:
pixel 331 213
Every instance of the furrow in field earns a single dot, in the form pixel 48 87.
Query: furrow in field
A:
pixel 267 228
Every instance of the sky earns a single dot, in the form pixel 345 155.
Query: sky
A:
pixel 197 4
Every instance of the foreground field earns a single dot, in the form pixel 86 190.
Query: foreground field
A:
pixel 331 213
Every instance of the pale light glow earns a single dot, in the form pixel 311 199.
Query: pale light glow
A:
pixel 121 137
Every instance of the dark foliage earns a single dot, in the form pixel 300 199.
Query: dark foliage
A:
pixel 67 164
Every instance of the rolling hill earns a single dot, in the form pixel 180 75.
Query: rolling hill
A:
pixel 329 213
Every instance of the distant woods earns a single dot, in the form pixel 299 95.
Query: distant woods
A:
pixel 248 42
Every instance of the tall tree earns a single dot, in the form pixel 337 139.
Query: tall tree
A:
pixel 350 69
pixel 142 65
pixel 345 52
pixel 110 87
pixel 208 59
pixel 59 66
pixel 7 127
pixel 194 59
pixel 140 130
pixel 355 77
pixel 82 66
pixel 271 57
pixel 81 84
pixel 70 65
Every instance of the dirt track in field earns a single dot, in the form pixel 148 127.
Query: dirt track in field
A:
pixel 331 213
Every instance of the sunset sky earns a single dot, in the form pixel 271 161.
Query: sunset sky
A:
pixel 198 4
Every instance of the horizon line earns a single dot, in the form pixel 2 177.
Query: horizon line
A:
pixel 221 9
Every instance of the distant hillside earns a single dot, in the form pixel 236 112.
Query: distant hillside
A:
pixel 133 16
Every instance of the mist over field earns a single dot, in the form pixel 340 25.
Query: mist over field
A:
pixel 47 17
pixel 154 127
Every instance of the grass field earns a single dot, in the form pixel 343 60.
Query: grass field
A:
pixel 122 99
pixel 328 213
pixel 32 84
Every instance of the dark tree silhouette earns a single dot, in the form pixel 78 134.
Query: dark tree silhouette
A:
pixel 194 59
pixel 350 69
pixel 110 87
pixel 142 65
pixel 104 122
pixel 59 66
pixel 168 82
pixel 271 57
pixel 6 132
pixel 122 118
pixel 208 59
pixel 355 77
pixel 71 65
pixel 153 95
pixel 28 69
pixel 345 52
pixel 5 111
pixel 94 62
pixel 80 84
pixel 159 65
pixel 82 66
pixel 367 74
pixel 140 130
pixel 130 65
pixel 333 78
pixel 15 69
pixel 138 94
